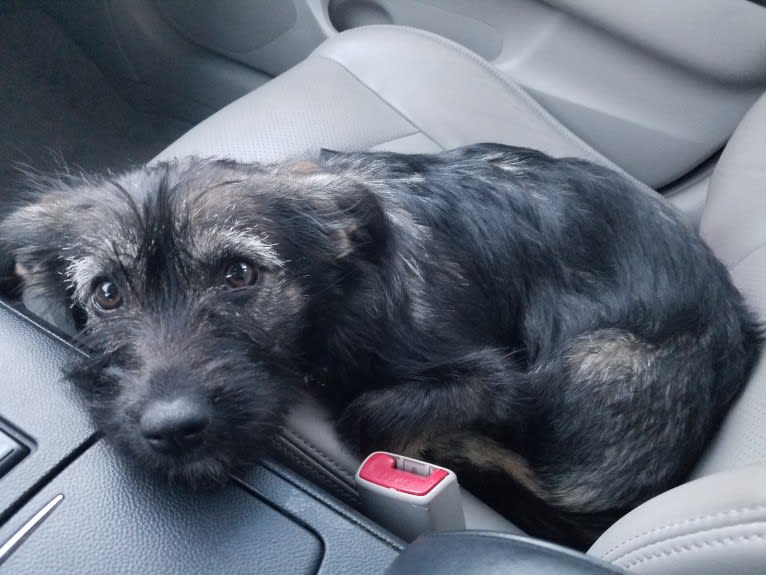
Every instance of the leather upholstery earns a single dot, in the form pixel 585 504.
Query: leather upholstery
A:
pixel 713 525
pixel 483 553
pixel 381 87
pixel 734 225
pixel 717 524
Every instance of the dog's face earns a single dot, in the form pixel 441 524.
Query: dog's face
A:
pixel 193 285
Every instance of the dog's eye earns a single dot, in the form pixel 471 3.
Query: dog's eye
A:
pixel 107 296
pixel 240 274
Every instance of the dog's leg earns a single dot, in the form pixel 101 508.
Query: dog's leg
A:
pixel 448 425
pixel 480 390
pixel 499 476
pixel 449 416
pixel 623 418
pixel 563 450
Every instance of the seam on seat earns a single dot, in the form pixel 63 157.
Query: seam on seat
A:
pixel 690 521
pixel 415 133
pixel 321 454
pixel 417 127
pixel 695 546
pixel 335 484
pixel 513 87
pixel 747 255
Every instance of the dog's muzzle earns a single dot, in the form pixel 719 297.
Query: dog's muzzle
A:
pixel 175 426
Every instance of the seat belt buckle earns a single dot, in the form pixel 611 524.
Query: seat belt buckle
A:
pixel 408 496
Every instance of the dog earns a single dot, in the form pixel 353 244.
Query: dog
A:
pixel 557 336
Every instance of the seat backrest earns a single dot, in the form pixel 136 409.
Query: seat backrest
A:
pixel 734 225
pixel 716 523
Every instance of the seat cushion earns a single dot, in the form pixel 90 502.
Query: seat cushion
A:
pixel 715 525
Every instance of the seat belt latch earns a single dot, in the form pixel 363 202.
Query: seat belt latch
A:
pixel 408 496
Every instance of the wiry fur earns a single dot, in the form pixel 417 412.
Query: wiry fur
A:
pixel 560 338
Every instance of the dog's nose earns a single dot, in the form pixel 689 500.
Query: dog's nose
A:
pixel 175 426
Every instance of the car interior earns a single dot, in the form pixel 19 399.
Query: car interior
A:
pixel 671 94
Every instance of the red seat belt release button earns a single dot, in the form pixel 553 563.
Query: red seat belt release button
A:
pixel 409 496
pixel 380 469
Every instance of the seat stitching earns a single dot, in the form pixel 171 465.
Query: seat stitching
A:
pixel 382 99
pixel 689 521
pixel 416 132
pixel 297 455
pixel 747 255
pixel 696 546
pixel 314 450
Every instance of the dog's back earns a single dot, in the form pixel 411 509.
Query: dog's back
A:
pixel 626 341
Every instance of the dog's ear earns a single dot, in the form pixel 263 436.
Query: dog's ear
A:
pixel 327 154
pixel 10 283
pixel 34 239
pixel 362 229
pixel 338 217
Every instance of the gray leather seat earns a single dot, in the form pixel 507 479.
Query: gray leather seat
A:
pixel 717 522
pixel 405 90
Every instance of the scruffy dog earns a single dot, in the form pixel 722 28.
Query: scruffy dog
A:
pixel 558 337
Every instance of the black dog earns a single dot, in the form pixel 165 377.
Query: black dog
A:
pixel 557 336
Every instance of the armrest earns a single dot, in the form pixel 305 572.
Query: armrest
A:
pixel 487 553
